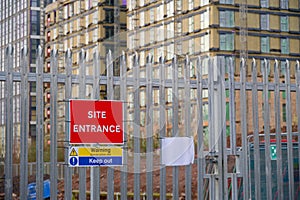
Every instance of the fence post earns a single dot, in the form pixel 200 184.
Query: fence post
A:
pixel 68 95
pixel 289 131
pixel 24 124
pixel 149 125
pixel 136 127
pixel 82 90
pixel 200 139
pixel 53 124
pixel 110 96
pixel 123 91
pixel 297 72
pixel 9 123
pixel 39 125
pixel 95 171
pixel 175 129
pixel 232 125
pixel 278 131
pixel 162 122
pixel 266 119
pixel 187 125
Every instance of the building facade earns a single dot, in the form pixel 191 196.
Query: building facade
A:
pixel 20 25
pixel 267 30
pixel 82 25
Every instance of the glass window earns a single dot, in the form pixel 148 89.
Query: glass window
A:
pixel 191 4
pixel 142 18
pixel 284 23
pixel 109 16
pixel 264 22
pixel 265 44
pixel 35 22
pixel 226 18
pixel 34 43
pixel 227 41
pixel 191 24
pixel 284 45
pixel 227 1
pixel 284 4
pixel 35 3
pixel 109 32
pixel 264 3
pixel 170 8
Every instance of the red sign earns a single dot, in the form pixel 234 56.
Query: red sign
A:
pixel 93 121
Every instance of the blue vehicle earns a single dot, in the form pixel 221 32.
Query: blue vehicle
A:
pixel 31 190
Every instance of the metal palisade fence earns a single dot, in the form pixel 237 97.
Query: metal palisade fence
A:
pixel 243 117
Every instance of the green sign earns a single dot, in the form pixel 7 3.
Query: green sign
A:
pixel 273 153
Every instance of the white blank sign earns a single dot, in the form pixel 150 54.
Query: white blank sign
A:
pixel 177 151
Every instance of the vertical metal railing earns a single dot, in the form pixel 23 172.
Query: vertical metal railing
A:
pixel 82 91
pixel 68 95
pixel 278 131
pixel 8 122
pixel 123 96
pixel 24 124
pixel 40 124
pixel 255 133
pixel 136 127
pixel 175 128
pixel 53 121
pixel 149 127
pixel 162 122
pixel 95 171
pixel 110 96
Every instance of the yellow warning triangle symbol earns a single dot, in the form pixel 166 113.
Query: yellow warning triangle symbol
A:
pixel 73 152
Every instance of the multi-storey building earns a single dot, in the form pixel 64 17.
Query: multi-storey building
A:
pixel 20 26
pixel 270 29
pixel 87 25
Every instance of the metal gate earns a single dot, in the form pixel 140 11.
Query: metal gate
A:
pixel 243 121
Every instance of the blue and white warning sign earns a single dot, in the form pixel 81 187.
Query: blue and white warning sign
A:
pixel 95 156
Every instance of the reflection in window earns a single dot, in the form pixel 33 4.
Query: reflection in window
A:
pixel 264 3
pixel 227 41
pixel 264 22
pixel 284 45
pixel 284 23
pixel 226 18
pixel 35 22
pixel 265 44
pixel 284 4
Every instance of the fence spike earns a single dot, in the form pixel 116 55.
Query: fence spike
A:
pixel 287 63
pixel 82 54
pixel 40 51
pixel 109 57
pixel 243 62
pixel 136 58
pixel 253 61
pixel 9 50
pixel 276 64
pixel 149 58
pixel 187 60
pixel 24 51
pixel 68 53
pixel 54 52
pixel 174 59
pixel 123 57
pixel 161 59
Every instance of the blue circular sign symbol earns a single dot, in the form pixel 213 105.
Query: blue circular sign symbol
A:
pixel 73 161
